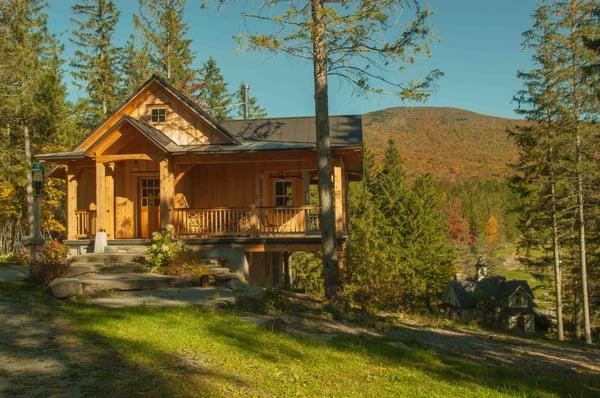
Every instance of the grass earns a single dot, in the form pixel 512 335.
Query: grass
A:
pixel 150 351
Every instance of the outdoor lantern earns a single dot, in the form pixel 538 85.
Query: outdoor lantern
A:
pixel 37 175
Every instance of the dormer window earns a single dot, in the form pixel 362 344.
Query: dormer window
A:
pixel 158 115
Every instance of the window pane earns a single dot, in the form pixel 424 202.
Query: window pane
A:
pixel 279 188
pixel 280 201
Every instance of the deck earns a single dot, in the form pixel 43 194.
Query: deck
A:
pixel 206 223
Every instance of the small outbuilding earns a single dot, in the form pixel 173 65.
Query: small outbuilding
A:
pixel 493 301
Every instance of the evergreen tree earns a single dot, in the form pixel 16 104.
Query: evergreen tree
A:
pixel 35 109
pixel 399 238
pixel 255 111
pixel 356 42
pixel 136 65
pixel 212 92
pixel 434 254
pixel 95 64
pixel 161 24
pixel 558 98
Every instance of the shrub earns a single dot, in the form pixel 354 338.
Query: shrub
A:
pixel 183 260
pixel 163 248
pixel 21 255
pixel 49 264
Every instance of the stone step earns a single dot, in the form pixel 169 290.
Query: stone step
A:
pixel 109 258
pixel 218 270
pixel 80 268
pixel 227 276
pixel 96 283
pixel 126 249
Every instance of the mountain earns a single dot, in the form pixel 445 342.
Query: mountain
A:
pixel 455 145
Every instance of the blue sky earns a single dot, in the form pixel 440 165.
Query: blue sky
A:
pixel 477 45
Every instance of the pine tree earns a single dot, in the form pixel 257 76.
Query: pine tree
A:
pixel 356 42
pixel 95 64
pixel 212 92
pixel 136 65
pixel 434 254
pixel 255 111
pixel 34 107
pixel 161 24
pixel 559 99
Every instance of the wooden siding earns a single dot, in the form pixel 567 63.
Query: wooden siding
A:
pixel 183 125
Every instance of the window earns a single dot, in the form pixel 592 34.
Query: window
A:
pixel 158 115
pixel 283 193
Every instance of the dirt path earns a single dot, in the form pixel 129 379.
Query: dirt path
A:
pixel 503 349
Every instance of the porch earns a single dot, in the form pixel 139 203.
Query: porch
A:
pixel 203 223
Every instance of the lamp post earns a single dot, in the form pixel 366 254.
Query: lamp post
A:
pixel 37 177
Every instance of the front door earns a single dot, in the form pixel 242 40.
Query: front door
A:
pixel 149 206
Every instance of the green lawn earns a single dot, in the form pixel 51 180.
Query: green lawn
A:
pixel 193 352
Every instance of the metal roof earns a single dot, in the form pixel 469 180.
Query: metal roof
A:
pixel 344 130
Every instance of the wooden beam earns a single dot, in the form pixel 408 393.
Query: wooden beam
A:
pixel 71 205
pixel 167 192
pixel 100 197
pixel 182 173
pixel 125 156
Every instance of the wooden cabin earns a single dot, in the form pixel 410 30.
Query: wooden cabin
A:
pixel 160 159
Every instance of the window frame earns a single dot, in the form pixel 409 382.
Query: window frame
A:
pixel 158 115
pixel 288 198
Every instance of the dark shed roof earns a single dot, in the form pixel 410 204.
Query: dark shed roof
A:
pixel 344 130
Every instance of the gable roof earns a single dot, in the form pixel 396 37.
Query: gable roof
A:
pixel 344 130
pixel 155 136
pixel 463 291
pixel 498 289
pixel 173 91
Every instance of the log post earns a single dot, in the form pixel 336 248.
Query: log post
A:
pixel 72 233
pixel 167 192
pixel 100 197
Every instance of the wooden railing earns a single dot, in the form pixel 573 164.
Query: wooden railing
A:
pixel 86 223
pixel 250 221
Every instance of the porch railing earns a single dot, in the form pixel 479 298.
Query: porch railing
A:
pixel 86 223
pixel 250 221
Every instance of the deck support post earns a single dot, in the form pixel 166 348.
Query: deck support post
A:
pixel 287 271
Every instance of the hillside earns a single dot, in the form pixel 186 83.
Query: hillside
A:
pixel 453 144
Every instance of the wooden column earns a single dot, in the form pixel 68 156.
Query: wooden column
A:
pixel 109 220
pixel 338 187
pixel 100 197
pixel 71 204
pixel 167 192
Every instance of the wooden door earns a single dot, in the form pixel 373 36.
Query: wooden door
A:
pixel 149 206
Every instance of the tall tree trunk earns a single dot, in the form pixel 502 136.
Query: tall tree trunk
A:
pixel 582 247
pixel 29 188
pixel 579 173
pixel 557 272
pixel 324 164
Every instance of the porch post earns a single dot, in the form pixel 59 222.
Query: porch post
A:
pixel 167 192
pixel 338 183
pixel 100 197
pixel 71 204
pixel 101 238
pixel 109 220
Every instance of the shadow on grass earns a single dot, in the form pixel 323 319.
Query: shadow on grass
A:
pixel 44 353
pixel 92 351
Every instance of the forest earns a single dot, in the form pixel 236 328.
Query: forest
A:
pixel 410 233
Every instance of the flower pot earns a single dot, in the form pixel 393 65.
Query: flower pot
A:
pixel 205 281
